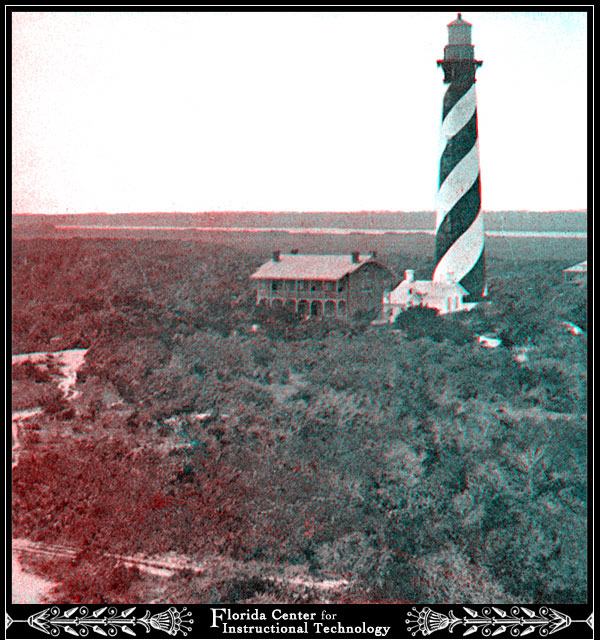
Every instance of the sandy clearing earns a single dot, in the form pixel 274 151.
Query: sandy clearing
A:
pixel 68 362
pixel 167 565
pixel 27 588
pixel 17 418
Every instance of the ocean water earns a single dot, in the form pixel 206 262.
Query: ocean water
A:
pixel 582 235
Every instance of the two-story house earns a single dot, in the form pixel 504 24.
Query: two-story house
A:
pixel 314 285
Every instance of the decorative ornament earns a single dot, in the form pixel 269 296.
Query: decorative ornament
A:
pixel 170 621
pixel 491 621
pixel 106 621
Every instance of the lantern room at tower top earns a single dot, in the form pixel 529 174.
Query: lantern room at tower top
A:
pixel 459 32
pixel 459 54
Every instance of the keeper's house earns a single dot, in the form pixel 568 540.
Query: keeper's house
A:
pixel 314 285
pixel 577 274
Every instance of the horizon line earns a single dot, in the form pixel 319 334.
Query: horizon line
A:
pixel 274 212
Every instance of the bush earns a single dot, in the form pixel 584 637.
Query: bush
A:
pixel 97 580
pixel 448 576
pixel 28 371
pixel 53 402
pixel 424 322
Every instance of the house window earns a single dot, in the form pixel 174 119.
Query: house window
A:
pixel 290 285
pixel 316 285
pixel 276 285
pixel 329 286
pixel 341 285
pixel 303 285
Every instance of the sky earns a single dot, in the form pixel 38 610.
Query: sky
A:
pixel 288 111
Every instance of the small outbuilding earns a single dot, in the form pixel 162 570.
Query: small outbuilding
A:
pixel 577 274
pixel 446 297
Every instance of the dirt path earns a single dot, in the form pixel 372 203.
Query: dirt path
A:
pixel 68 362
pixel 169 564
pixel 17 418
pixel 26 587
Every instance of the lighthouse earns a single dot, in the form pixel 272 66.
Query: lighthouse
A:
pixel 459 251
pixel 458 281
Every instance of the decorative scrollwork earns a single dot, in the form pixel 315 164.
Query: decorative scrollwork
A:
pixel 492 621
pixel 79 621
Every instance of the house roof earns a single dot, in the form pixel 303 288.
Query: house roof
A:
pixel 426 289
pixel 581 267
pixel 311 267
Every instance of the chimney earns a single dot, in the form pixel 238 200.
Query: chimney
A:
pixel 276 256
pixel 373 254
pixel 355 255
pixel 409 275
pixel 294 252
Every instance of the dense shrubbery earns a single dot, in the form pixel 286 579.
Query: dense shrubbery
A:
pixel 423 322
pixel 421 467
pixel 104 493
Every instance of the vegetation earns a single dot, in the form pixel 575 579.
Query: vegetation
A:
pixel 405 459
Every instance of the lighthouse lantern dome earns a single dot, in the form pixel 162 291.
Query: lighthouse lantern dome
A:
pixel 459 45
pixel 459 31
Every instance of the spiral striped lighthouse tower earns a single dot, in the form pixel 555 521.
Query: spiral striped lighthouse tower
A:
pixel 459 250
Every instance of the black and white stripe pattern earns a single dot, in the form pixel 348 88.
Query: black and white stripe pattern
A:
pixel 459 251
